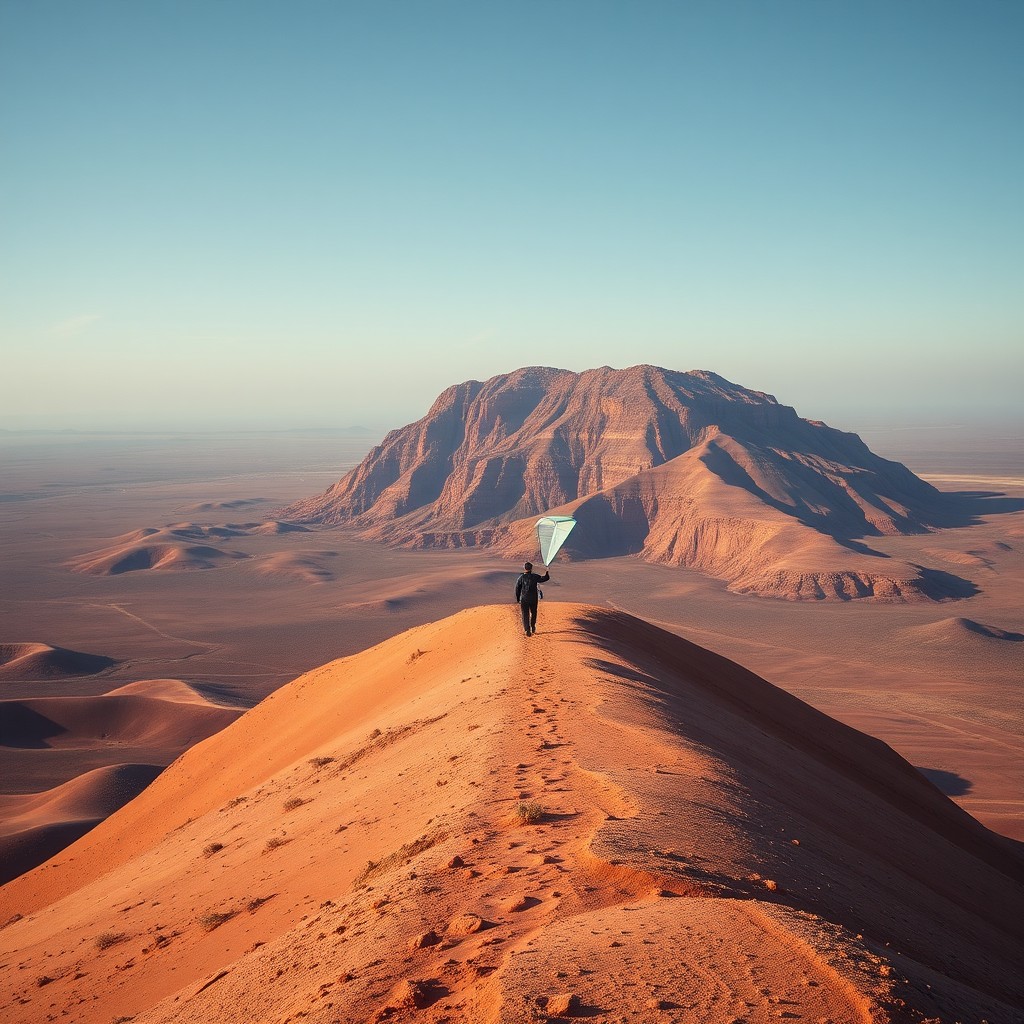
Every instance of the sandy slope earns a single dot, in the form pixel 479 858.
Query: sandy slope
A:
pixel 708 848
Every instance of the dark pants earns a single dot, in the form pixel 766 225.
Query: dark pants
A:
pixel 529 611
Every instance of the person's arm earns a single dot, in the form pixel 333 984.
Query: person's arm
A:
pixel 544 578
pixel 519 588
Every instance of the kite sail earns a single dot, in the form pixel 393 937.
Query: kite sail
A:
pixel 551 534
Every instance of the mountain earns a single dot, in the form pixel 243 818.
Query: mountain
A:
pixel 683 469
pixel 461 824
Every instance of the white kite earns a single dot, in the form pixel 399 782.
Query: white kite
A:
pixel 551 534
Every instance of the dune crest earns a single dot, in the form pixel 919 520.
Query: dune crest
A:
pixel 462 824
pixel 683 469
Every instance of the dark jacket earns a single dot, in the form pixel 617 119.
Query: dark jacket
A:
pixel 526 587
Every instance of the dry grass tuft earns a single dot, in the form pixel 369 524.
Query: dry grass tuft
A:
pixel 212 848
pixel 214 919
pixel 529 812
pixel 107 939
pixel 292 802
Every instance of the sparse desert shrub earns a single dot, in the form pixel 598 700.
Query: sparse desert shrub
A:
pixel 273 843
pixel 529 812
pixel 292 802
pixel 44 979
pixel 235 801
pixel 375 734
pixel 214 919
pixel 107 939
pixel 211 848
pixel 254 904
pixel 321 762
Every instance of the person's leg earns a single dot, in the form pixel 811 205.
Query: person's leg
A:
pixel 524 609
pixel 533 617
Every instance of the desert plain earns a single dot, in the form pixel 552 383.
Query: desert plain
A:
pixel 455 822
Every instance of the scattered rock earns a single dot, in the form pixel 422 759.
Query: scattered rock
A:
pixel 409 994
pixel 430 938
pixel 563 1004
pixel 465 924
pixel 456 862
pixel 518 903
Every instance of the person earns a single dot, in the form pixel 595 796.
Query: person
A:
pixel 527 595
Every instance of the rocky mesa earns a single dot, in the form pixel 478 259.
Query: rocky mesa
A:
pixel 684 469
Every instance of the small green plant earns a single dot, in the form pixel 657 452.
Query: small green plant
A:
pixel 107 939
pixel 529 812
pixel 214 919
pixel 212 848
pixel 292 802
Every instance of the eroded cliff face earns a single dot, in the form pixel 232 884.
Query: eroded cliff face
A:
pixel 681 468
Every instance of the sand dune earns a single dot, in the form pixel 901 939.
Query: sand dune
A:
pixel 138 557
pixel 182 546
pixel 273 528
pixel 154 719
pixel 961 635
pixel 28 661
pixel 461 824
pixel 311 566
pixel 37 826
pixel 217 506
pixel 132 717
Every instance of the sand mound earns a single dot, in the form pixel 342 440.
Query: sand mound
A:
pixel 140 557
pixel 37 826
pixel 27 661
pixel 176 690
pixel 958 631
pixel 464 824
pixel 116 718
pixel 275 528
pixel 218 506
pixel 310 566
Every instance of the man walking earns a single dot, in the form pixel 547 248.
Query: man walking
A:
pixel 527 595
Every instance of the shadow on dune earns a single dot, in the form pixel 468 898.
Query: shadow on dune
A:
pixel 840 823
pixel 944 586
pixel 25 728
pixel 948 782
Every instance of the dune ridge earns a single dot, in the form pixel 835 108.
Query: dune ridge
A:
pixel 463 824
pixel 681 468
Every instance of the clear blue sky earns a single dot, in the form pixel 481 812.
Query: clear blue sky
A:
pixel 308 212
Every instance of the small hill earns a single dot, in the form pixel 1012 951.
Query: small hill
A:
pixel 34 828
pixel 462 824
pixel 30 661
pixel 150 722
pixel 683 469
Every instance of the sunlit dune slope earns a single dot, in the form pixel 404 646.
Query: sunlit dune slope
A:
pixel 463 824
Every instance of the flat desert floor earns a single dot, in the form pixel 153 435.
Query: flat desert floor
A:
pixel 152 566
